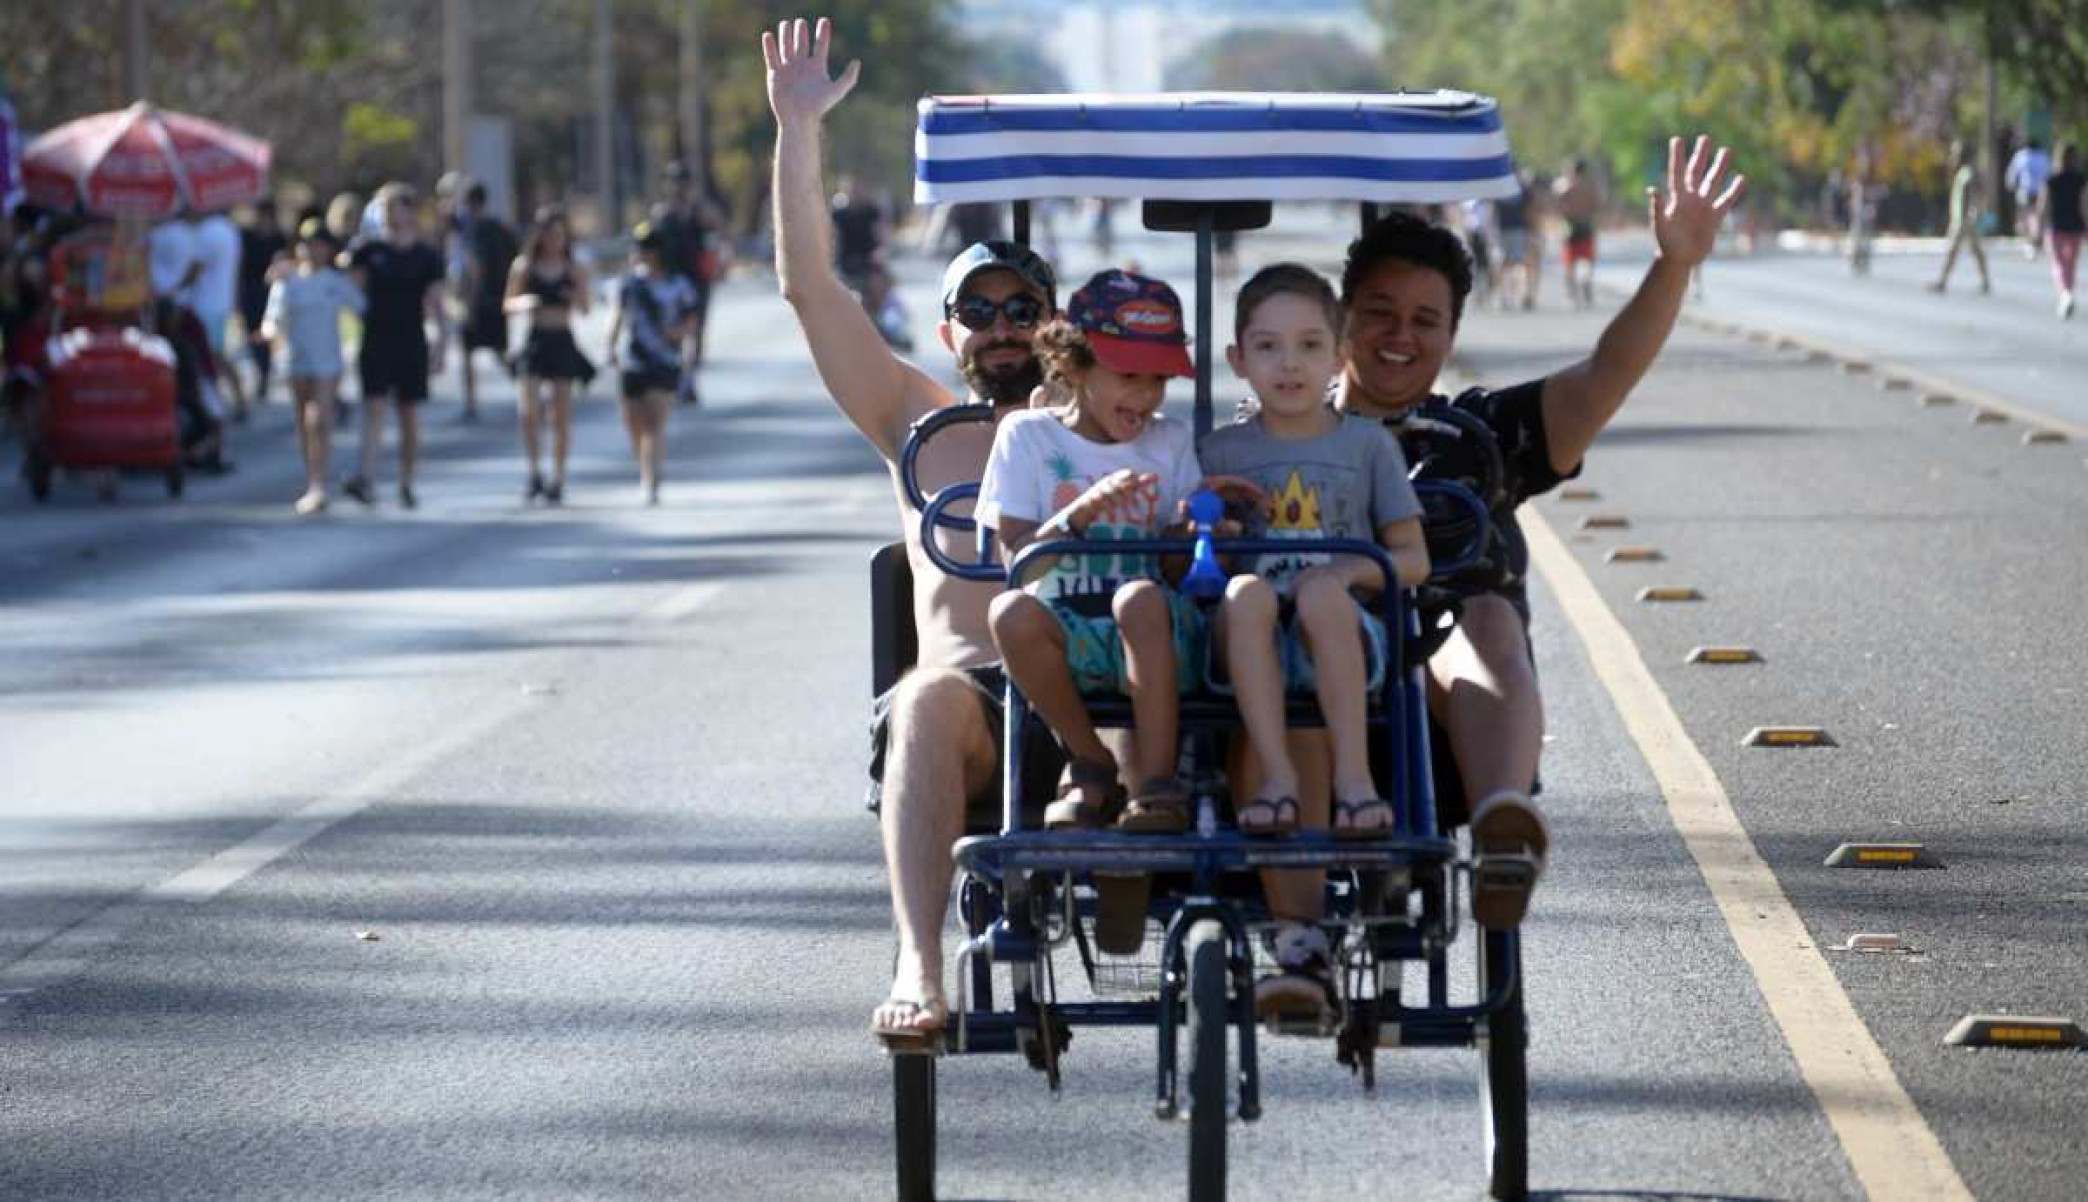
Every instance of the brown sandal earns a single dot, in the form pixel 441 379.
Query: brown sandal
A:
pixel 1161 808
pixel 1099 797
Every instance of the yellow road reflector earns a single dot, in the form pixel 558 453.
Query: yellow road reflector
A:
pixel 1634 555
pixel 2043 437
pixel 1788 736
pixel 1988 417
pixel 1875 942
pixel 1817 356
pixel 1883 855
pixel 1895 383
pixel 1724 655
pixel 1936 400
pixel 1669 593
pixel 2012 1031
pixel 1854 367
pixel 1605 521
pixel 1579 494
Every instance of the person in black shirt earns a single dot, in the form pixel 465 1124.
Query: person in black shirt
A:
pixel 261 243
pixel 402 276
pixel 688 225
pixel 1404 287
pixel 489 251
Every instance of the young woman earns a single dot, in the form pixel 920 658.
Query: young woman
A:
pixel 550 287
pixel 303 309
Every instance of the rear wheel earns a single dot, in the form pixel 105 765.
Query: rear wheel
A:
pixel 913 1125
pixel 1504 1101
pixel 1208 1013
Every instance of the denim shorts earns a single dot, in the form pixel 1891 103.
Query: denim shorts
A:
pixel 1095 650
pixel 1291 652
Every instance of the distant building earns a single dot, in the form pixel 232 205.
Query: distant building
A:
pixel 1129 46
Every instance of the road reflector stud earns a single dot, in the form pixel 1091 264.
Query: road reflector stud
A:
pixel 1758 335
pixel 1669 593
pixel 2012 1031
pixel 1895 383
pixel 1854 367
pixel 1579 494
pixel 2035 438
pixel 1936 400
pixel 1605 521
pixel 1988 417
pixel 1724 655
pixel 1788 736
pixel 1817 356
pixel 1634 555
pixel 1883 855
pixel 1877 942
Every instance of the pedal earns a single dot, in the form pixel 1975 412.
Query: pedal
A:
pixel 1491 873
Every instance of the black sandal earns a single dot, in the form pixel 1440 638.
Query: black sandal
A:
pixel 1349 824
pixel 1268 816
pixel 1161 808
pixel 1100 796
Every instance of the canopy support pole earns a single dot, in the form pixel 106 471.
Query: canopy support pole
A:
pixel 1205 224
pixel 1370 214
pixel 1020 212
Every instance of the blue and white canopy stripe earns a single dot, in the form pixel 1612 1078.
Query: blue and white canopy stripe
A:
pixel 1404 147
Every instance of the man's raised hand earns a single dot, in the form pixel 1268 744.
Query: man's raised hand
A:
pixel 1687 217
pixel 799 88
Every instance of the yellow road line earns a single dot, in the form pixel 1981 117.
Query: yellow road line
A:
pixel 1891 1150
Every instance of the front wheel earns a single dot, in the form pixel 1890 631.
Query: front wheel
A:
pixel 1208 1014
pixel 913 1125
pixel 1504 1096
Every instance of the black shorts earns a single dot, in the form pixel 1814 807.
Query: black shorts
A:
pixel 1040 771
pixel 639 381
pixel 486 328
pixel 394 369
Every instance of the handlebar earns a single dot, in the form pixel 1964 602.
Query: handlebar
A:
pixel 985 570
pixel 917 437
pixel 1482 525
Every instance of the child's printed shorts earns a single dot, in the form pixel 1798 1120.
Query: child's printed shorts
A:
pixel 1095 651
pixel 1291 652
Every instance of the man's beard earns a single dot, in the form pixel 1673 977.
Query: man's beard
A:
pixel 1010 385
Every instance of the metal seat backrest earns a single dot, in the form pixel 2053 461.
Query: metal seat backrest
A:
pixel 893 644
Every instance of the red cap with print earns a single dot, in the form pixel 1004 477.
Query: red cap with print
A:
pixel 1133 323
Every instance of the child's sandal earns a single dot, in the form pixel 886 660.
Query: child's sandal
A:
pixel 1268 816
pixel 1089 798
pixel 1161 808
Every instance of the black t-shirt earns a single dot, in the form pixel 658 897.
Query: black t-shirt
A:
pixel 257 249
pixel 1444 449
pixel 855 234
pixel 683 236
pixel 2065 190
pixel 395 279
pixel 493 248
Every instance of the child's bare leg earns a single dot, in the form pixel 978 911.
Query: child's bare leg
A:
pixel 1147 629
pixel 531 420
pixel 1299 895
pixel 1246 631
pixel 1033 651
pixel 1334 637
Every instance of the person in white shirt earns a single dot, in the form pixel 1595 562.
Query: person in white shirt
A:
pixel 2028 169
pixel 304 310
pixel 171 249
pixel 216 291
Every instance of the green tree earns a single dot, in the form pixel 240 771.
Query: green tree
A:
pixel 1271 59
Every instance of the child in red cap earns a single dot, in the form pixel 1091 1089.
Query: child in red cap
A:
pixel 1107 465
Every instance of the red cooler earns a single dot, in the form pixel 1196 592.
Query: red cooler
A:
pixel 109 403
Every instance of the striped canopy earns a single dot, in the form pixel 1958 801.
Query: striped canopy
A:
pixel 1402 147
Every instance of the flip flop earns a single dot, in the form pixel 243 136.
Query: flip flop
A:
pixel 1268 816
pixel 1349 824
pixel 909 1039
pixel 1509 844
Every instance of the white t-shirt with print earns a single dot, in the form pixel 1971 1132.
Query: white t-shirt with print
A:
pixel 1039 466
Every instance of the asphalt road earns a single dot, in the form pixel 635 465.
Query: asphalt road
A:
pixel 571 895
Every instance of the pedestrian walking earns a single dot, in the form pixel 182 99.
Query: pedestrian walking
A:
pixel 489 248
pixel 1579 203
pixel 655 306
pixel 303 310
pixel 1965 212
pixel 214 295
pixel 549 287
pixel 401 280
pixel 2064 197
pixel 2028 169
pixel 261 244
pixel 1863 213
pixel 691 227
pixel 1518 272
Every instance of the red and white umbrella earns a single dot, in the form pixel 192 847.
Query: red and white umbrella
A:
pixel 142 162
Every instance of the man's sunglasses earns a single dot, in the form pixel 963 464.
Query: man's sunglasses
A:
pixel 976 313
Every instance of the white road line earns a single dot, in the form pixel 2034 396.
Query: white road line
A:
pixel 67 953
pixel 1891 1150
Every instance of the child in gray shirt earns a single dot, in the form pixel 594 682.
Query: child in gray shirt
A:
pixel 1295 620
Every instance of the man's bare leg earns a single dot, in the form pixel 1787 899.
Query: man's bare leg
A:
pixel 1484 691
pixel 940 753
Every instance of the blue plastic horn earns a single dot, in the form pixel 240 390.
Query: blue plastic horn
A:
pixel 1205 579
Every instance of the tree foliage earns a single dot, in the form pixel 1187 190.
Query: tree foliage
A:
pixel 1273 59
pixel 1797 87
